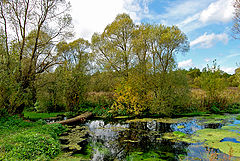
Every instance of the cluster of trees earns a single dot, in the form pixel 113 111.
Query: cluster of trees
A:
pixel 40 70
pixel 29 30
pixel 142 58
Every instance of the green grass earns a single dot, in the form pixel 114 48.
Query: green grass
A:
pixel 36 116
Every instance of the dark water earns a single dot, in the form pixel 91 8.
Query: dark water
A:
pixel 133 141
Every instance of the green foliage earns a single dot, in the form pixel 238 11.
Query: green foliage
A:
pixel 135 63
pixel 233 81
pixel 30 53
pixel 213 83
pixel 211 80
pixel 238 117
pixel 215 109
pixel 53 130
pixel 172 94
pixel 30 146
pixel 114 47
pixel 37 116
pixel 28 141
pixel 128 99
pixel 193 75
pixel 102 111
pixel 13 124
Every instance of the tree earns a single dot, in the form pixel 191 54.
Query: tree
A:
pixel 213 83
pixel 73 72
pixel 193 76
pixel 165 43
pixel 113 47
pixel 32 25
pixel 143 55
pixel 211 80
pixel 237 77
pixel 236 19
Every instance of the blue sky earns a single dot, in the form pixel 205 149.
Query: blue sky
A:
pixel 207 24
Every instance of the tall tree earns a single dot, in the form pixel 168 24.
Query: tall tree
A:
pixel 113 47
pixel 73 72
pixel 166 43
pixel 33 25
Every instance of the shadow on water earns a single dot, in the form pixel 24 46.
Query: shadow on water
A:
pixel 122 140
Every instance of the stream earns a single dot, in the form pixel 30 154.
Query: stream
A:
pixel 146 139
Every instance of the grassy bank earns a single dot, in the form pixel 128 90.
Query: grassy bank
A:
pixel 21 140
pixel 37 116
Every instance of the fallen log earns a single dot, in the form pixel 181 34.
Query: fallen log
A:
pixel 80 118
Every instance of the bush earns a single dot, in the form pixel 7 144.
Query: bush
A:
pixel 172 94
pixel 130 100
pixel 212 81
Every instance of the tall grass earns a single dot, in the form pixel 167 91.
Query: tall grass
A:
pixel 228 99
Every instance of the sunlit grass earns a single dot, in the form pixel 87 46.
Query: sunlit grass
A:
pixel 34 115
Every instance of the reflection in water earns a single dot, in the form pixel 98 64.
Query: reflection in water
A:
pixel 128 141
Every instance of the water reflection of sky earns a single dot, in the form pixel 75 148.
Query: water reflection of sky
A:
pixel 104 139
pixel 188 127
pixel 116 140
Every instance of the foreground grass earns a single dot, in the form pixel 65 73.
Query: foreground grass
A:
pixel 20 140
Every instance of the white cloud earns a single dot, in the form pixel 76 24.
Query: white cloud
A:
pixel 185 64
pixel 219 11
pixel 207 41
pixel 229 70
pixel 91 16
pixel 215 11
pixel 179 10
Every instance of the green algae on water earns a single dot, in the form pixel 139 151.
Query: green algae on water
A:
pixel 181 127
pixel 212 138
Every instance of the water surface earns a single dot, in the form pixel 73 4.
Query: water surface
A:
pixel 142 139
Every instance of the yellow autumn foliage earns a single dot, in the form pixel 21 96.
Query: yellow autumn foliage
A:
pixel 130 100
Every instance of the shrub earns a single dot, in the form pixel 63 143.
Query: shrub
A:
pixel 171 94
pixel 212 81
pixel 130 100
